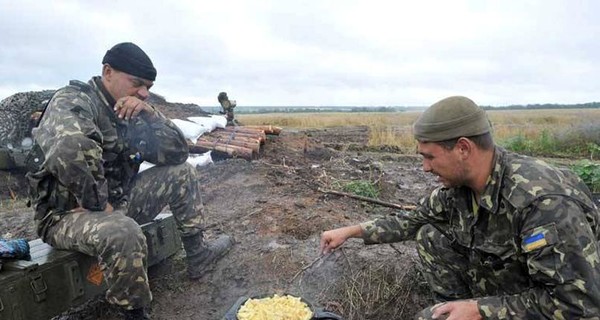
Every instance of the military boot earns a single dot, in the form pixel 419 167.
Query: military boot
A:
pixel 202 256
pixel 136 314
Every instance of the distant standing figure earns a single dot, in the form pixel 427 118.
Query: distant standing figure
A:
pixel 228 106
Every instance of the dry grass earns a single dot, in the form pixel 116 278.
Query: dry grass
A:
pixel 380 290
pixel 563 126
pixel 324 120
pixel 386 129
pixel 531 123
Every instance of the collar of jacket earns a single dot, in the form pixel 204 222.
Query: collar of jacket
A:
pixel 491 194
pixel 96 82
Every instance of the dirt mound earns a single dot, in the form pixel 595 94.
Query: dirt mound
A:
pixel 175 110
pixel 275 211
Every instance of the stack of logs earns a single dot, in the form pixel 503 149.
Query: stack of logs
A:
pixel 235 141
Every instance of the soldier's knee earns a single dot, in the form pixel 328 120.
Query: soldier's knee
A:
pixel 427 234
pixel 123 233
pixel 431 241
pixel 184 171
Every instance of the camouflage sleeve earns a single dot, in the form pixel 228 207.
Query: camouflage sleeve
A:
pixel 564 264
pixel 71 140
pixel 166 145
pixel 405 224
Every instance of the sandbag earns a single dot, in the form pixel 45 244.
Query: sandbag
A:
pixel 190 130
pixel 207 122
pixel 196 160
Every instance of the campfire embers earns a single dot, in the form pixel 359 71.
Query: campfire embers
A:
pixel 235 141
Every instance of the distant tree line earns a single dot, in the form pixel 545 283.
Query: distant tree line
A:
pixel 589 105
pixel 258 109
pixel 311 109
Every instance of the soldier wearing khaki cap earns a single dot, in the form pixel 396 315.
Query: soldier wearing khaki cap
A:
pixel 505 237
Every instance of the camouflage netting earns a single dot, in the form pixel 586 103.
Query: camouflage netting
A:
pixel 15 116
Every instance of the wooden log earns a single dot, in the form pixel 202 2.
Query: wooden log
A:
pixel 198 149
pixel 246 130
pixel 239 139
pixel 268 129
pixel 242 129
pixel 228 136
pixel 255 147
pixel 221 151
pixel 234 151
pixel 255 135
pixel 248 133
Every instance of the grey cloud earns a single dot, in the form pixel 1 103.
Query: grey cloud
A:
pixel 319 53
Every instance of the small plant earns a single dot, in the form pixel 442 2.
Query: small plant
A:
pixel 589 172
pixel 593 149
pixel 362 188
pixel 546 144
pixel 518 144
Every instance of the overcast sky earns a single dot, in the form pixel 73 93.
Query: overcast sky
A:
pixel 315 53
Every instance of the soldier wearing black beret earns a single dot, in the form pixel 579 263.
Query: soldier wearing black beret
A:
pixel 87 191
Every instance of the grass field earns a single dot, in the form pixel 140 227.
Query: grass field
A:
pixel 551 133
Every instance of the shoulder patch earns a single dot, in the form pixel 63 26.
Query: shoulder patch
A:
pixel 534 241
pixel 539 237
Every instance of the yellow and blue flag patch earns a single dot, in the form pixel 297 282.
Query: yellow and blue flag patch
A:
pixel 534 241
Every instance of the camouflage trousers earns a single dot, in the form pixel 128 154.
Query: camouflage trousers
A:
pixel 117 239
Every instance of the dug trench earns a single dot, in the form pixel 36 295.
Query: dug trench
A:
pixel 275 209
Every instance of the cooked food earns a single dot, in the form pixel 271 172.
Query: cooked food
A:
pixel 275 308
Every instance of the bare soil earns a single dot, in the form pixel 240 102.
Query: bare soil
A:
pixel 275 211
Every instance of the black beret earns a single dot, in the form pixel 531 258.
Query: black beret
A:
pixel 129 58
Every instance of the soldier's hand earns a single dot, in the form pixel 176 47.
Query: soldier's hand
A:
pixel 130 107
pixel 458 310
pixel 332 239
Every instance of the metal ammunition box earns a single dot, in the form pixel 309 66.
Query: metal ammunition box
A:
pixel 55 280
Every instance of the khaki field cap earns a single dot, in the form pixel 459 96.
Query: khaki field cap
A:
pixel 451 118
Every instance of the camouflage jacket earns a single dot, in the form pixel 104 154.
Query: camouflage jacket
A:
pixel 536 230
pixel 91 156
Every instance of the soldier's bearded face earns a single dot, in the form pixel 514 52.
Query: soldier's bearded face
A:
pixel 444 163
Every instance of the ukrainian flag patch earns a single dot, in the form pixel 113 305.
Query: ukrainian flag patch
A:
pixel 535 241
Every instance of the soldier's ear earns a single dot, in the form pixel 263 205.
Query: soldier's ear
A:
pixel 107 70
pixel 464 147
